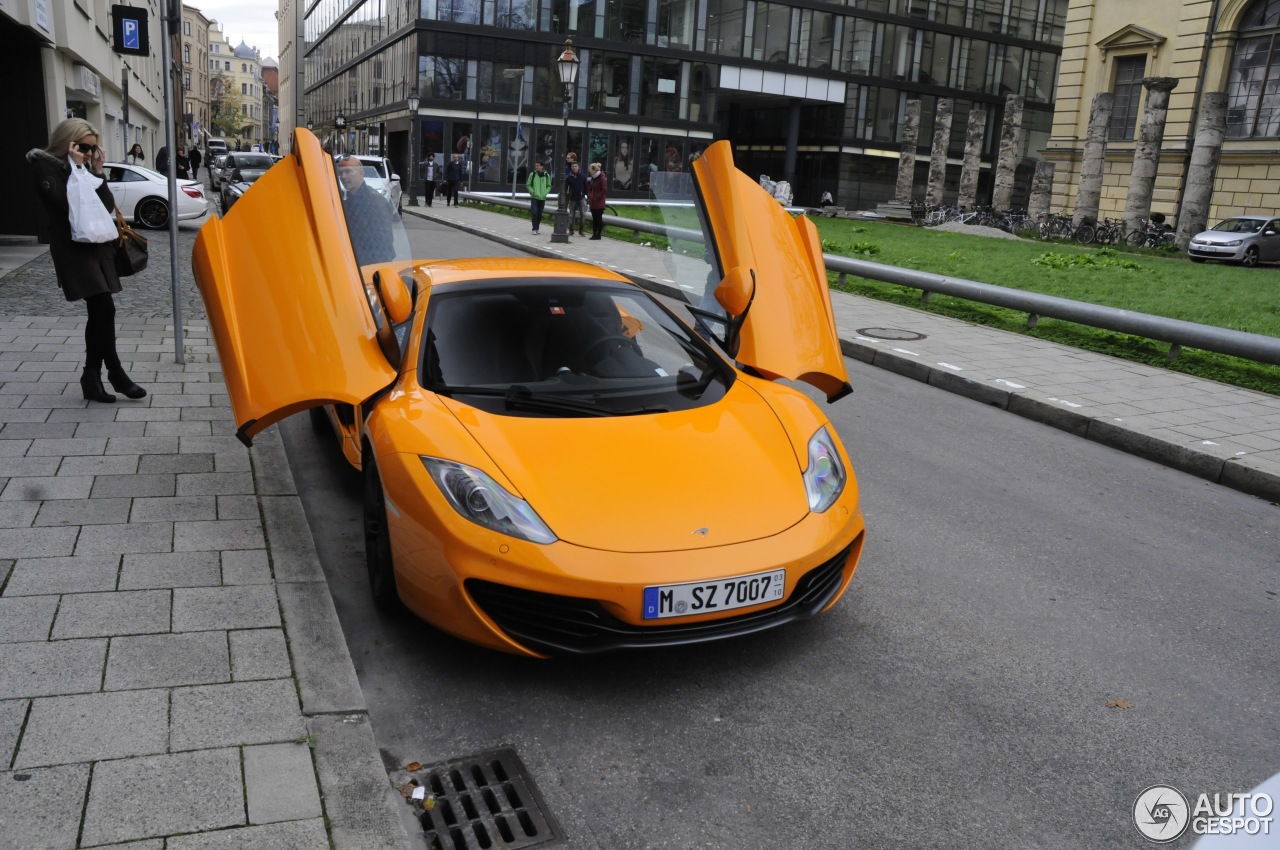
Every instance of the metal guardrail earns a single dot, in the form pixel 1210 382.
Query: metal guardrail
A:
pixel 1178 333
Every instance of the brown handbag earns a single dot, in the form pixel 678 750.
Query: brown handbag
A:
pixel 131 249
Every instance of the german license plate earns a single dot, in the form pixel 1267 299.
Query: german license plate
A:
pixel 703 597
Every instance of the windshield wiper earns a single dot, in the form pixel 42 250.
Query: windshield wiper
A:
pixel 520 397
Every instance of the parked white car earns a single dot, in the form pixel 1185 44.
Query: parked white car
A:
pixel 379 176
pixel 143 195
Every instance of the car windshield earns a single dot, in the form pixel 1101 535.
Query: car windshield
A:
pixel 253 161
pixel 374 170
pixel 373 224
pixel 565 348
pixel 1239 225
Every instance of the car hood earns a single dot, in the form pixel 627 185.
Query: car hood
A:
pixel 717 475
pixel 1219 237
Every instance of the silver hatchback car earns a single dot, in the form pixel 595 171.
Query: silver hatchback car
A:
pixel 1245 239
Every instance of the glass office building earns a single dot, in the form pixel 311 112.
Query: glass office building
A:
pixel 813 92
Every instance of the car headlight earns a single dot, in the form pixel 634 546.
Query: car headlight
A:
pixel 1234 243
pixel 824 478
pixel 484 501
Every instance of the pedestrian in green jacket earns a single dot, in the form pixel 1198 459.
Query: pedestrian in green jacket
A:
pixel 538 184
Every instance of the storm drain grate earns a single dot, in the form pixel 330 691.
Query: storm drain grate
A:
pixel 890 333
pixel 484 801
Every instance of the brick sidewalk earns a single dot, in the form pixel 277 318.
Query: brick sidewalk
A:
pixel 172 671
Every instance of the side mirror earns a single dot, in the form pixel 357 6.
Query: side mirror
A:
pixel 1268 232
pixel 395 178
pixel 394 294
pixel 737 290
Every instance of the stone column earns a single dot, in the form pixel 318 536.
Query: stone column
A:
pixel 1193 216
pixel 1041 191
pixel 1007 163
pixel 973 135
pixel 1146 157
pixel 1089 192
pixel 793 142
pixel 938 155
pixel 907 159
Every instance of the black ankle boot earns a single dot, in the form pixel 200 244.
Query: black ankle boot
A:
pixel 91 386
pixel 123 384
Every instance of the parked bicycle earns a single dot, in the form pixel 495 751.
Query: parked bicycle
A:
pixel 1153 235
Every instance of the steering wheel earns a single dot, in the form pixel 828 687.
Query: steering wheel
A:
pixel 616 340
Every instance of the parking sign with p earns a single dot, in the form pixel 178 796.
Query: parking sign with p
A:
pixel 129 31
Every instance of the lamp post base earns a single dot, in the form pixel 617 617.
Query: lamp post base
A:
pixel 560 232
pixel 413 201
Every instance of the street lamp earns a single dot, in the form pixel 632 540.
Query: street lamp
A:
pixel 567 67
pixel 340 123
pixel 510 74
pixel 413 146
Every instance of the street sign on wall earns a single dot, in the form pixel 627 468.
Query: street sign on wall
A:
pixel 129 31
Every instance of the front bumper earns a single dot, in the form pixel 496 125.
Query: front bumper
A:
pixel 1217 252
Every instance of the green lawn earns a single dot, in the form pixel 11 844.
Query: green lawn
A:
pixel 1141 280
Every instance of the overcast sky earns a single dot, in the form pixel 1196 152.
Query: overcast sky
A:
pixel 252 20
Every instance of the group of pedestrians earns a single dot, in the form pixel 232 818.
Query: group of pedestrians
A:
pixel 592 187
pixel 450 174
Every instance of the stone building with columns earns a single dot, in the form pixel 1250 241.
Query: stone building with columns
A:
pixel 1169 106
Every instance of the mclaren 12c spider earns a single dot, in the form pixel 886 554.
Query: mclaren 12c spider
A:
pixel 554 462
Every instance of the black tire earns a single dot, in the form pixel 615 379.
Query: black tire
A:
pixel 1250 258
pixel 1085 234
pixel 377 539
pixel 152 213
pixel 1135 238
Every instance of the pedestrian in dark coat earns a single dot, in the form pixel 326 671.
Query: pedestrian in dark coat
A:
pixel 195 159
pixel 181 163
pixel 575 189
pixel 85 270
pixel 162 160
pixel 430 173
pixel 597 195
pixel 452 177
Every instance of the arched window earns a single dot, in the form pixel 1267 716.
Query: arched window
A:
pixel 1253 87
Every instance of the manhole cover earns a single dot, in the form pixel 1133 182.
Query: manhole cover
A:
pixel 890 333
pixel 481 802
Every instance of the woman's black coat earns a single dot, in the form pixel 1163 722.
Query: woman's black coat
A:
pixel 83 268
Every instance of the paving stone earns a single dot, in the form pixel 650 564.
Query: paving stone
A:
pixel 154 484
pixel 39 576
pixel 34 807
pixel 262 712
pixel 243 607
pixel 238 507
pixel 167 660
pixel 30 542
pixel 17 514
pixel 92 727
pixel 165 794
pixel 173 508
pixel 141 445
pixel 176 463
pixel 125 538
pixel 99 465
pixel 218 535
pixel 80 411
pixel 293 551
pixel 83 512
pixel 247 566
pixel 110 429
pixel 28 467
pixel 294 835
pixel 170 569
pixel 125 612
pixel 14 447
pixel 63 447
pixel 24 618
pixel 147 414
pixel 47 669
pixel 177 429
pixel 12 714
pixel 259 654
pixel 361 807
pixel 280 783
pixel 40 488
pixel 215 483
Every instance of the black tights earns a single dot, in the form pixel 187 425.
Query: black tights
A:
pixel 100 333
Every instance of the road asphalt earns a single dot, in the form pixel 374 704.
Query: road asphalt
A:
pixel 172 670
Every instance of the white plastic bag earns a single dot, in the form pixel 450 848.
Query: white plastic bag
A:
pixel 90 220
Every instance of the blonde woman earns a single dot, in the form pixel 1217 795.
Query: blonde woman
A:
pixel 85 270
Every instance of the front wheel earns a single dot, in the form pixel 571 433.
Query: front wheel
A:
pixel 1135 239
pixel 377 539
pixel 1085 234
pixel 152 214
pixel 1250 258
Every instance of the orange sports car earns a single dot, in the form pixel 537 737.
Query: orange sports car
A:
pixel 553 461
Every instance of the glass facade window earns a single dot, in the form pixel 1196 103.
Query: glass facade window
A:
pixel 859 45
pixel 1253 86
pixel 817 38
pixel 660 90
pixel 609 87
pixel 624 20
pixel 675 23
pixel 1128 96
pixel 725 27
pixel 771 39
pixel 571 17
